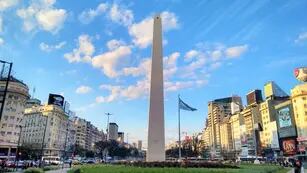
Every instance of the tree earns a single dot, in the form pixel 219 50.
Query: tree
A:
pixel 100 146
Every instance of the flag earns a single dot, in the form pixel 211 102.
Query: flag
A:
pixel 185 106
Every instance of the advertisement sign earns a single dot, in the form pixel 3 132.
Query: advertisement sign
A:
pixel 289 146
pixel 55 99
pixel 284 117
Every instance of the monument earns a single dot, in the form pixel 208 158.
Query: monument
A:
pixel 156 137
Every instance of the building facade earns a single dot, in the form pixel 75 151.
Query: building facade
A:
pixel 45 128
pixel 113 131
pixel 13 112
pixel 299 101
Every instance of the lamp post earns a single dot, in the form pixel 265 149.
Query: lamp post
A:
pixel 6 84
pixel 108 133
pixel 17 150
pixel 43 141
pixel 108 125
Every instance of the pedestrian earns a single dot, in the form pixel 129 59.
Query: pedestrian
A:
pixel 297 166
pixel 70 162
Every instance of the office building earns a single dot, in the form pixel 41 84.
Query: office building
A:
pixel 139 144
pixel 121 137
pixel 299 101
pixel 11 121
pixel 218 110
pixel 45 125
pixel 113 131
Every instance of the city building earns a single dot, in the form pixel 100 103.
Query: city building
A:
pixel 236 121
pixel 113 131
pixel 299 101
pixel 218 110
pixel 45 127
pixel 269 134
pixel 121 137
pixel 286 128
pixel 139 144
pixel 226 138
pixel 11 121
pixel 81 131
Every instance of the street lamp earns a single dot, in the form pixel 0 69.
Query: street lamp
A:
pixel 43 141
pixel 108 126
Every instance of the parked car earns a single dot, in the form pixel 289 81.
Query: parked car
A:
pixel 10 164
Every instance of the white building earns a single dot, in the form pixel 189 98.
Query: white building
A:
pixel 47 125
pixel 11 121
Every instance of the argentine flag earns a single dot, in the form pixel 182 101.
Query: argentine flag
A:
pixel 185 106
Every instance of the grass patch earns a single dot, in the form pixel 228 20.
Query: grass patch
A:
pixel 128 169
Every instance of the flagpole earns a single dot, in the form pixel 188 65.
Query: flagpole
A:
pixel 179 141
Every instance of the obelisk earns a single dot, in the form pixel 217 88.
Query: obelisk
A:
pixel 156 137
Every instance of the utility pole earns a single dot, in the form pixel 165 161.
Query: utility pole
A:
pixel 2 101
pixel 43 141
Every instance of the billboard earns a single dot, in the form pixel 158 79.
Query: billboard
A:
pixel 289 146
pixel 285 121
pixel 284 117
pixel 55 99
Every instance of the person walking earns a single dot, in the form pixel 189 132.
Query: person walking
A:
pixel 297 166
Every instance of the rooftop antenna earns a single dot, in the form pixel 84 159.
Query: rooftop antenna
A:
pixel 33 92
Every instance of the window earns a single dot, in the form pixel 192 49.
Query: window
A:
pixel 8 133
pixel 304 98
pixel 12 117
pixel 4 125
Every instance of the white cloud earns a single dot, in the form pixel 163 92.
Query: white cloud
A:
pixel 41 14
pixel 83 89
pixel 108 61
pixel 1 41
pixel 301 37
pixel 143 69
pixel 142 32
pixel 236 51
pixel 114 44
pixel 191 54
pixel 48 48
pixel 88 15
pixel 5 4
pixel 84 51
pixel 216 55
pixel 121 15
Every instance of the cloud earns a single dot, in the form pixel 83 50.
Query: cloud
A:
pixel 1 41
pixel 141 32
pixel 301 37
pixel 84 51
pixel 5 4
pixel 108 61
pixel 41 14
pixel 114 44
pixel 121 15
pixel 191 54
pixel 88 15
pixel 48 48
pixel 236 51
pixel 83 89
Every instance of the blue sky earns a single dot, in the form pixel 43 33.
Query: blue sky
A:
pixel 97 53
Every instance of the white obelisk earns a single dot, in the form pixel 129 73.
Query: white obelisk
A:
pixel 156 137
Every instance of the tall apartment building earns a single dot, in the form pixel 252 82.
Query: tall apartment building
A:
pixel 218 110
pixel 299 101
pixel 226 138
pixel 269 135
pixel 113 131
pixel 86 133
pixel 11 121
pixel 139 144
pixel 236 121
pixel 45 125
pixel 121 137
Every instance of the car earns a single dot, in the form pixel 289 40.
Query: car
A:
pixel 21 164
pixel 10 164
pixel 91 161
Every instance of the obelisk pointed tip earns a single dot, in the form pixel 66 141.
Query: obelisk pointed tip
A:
pixel 157 16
